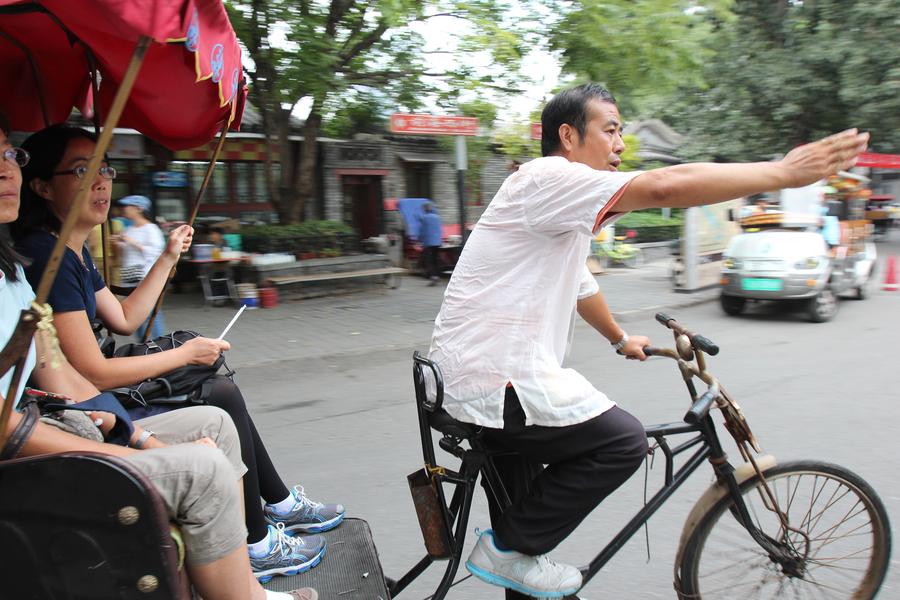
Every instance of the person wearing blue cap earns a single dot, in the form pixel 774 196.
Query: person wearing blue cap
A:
pixel 140 245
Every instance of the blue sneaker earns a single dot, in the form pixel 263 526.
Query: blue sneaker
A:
pixel 306 515
pixel 287 555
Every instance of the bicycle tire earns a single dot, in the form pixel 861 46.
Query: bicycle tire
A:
pixel 748 570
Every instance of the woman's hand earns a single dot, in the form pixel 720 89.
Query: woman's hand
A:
pixel 179 241
pixel 205 441
pixel 203 351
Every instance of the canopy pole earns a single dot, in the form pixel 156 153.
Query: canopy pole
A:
pixel 49 275
pixel 95 116
pixel 93 168
pixel 42 94
pixel 194 209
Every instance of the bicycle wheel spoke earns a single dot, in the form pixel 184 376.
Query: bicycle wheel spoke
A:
pixel 833 547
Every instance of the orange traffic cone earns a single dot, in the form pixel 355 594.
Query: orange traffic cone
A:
pixel 890 274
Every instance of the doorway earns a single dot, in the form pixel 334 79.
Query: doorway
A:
pixel 363 208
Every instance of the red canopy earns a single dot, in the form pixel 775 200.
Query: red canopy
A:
pixel 190 84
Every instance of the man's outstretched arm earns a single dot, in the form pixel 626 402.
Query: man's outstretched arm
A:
pixel 695 184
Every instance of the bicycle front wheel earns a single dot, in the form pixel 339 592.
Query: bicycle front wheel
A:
pixel 838 539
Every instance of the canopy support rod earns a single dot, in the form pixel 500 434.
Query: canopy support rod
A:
pixel 35 73
pixel 194 209
pixel 95 117
pixel 93 168
pixel 87 182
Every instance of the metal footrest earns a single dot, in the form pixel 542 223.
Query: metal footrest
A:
pixel 350 569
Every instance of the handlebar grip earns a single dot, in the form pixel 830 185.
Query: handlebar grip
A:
pixel 649 350
pixel 705 344
pixel 663 319
pixel 700 408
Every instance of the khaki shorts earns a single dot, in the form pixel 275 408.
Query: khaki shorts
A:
pixel 198 484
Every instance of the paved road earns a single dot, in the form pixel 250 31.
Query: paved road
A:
pixel 328 381
pixel 343 422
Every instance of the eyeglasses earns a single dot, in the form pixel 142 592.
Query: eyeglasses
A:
pixel 80 172
pixel 17 155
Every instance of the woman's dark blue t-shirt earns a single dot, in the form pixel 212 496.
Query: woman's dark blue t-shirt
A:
pixel 75 283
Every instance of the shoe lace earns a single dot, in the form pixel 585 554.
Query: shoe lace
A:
pixel 546 563
pixel 303 500
pixel 285 543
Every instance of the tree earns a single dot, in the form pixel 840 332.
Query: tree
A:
pixel 789 72
pixel 350 60
pixel 638 49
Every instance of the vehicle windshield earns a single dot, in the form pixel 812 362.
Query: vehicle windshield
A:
pixel 777 244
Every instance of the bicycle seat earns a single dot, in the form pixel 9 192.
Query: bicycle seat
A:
pixel 441 421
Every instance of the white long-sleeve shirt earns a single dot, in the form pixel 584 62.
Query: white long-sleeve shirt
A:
pixel 509 308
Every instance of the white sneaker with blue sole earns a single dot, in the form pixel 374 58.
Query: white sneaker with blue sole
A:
pixel 537 576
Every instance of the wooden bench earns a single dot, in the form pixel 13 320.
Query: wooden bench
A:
pixel 389 273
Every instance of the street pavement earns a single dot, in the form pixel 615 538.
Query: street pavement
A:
pixel 380 318
pixel 328 383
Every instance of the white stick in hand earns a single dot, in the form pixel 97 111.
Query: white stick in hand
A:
pixel 235 318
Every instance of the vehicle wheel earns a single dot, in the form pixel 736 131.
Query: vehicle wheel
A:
pixel 862 290
pixel 838 537
pixel 732 305
pixel 823 306
pixel 635 260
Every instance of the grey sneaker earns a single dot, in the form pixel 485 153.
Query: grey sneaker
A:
pixel 306 515
pixel 287 555
pixel 537 576
pixel 304 594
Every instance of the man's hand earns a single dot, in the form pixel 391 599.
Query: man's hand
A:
pixel 179 241
pixel 811 162
pixel 634 347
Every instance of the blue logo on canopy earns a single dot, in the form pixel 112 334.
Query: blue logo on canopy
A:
pixel 235 79
pixel 193 34
pixel 217 62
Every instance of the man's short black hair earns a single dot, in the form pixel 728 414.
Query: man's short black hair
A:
pixel 569 107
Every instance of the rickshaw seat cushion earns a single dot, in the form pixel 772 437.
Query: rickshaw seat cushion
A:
pixel 441 421
pixel 81 526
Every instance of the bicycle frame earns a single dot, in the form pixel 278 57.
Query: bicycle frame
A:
pixel 478 461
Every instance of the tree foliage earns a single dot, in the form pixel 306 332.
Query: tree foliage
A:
pixel 355 62
pixel 638 49
pixel 789 72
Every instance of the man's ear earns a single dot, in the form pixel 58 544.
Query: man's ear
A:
pixel 568 137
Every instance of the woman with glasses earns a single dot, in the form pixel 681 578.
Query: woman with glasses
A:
pixel 59 157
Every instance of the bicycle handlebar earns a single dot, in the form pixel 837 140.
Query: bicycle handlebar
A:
pixel 697 341
pixel 701 407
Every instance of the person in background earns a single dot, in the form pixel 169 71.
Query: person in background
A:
pixel 140 245
pixel 432 235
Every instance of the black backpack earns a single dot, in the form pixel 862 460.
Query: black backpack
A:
pixel 190 383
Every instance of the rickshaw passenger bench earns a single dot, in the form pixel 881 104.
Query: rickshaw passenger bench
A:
pixel 84 526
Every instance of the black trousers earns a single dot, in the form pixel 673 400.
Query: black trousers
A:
pixel 430 256
pixel 584 464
